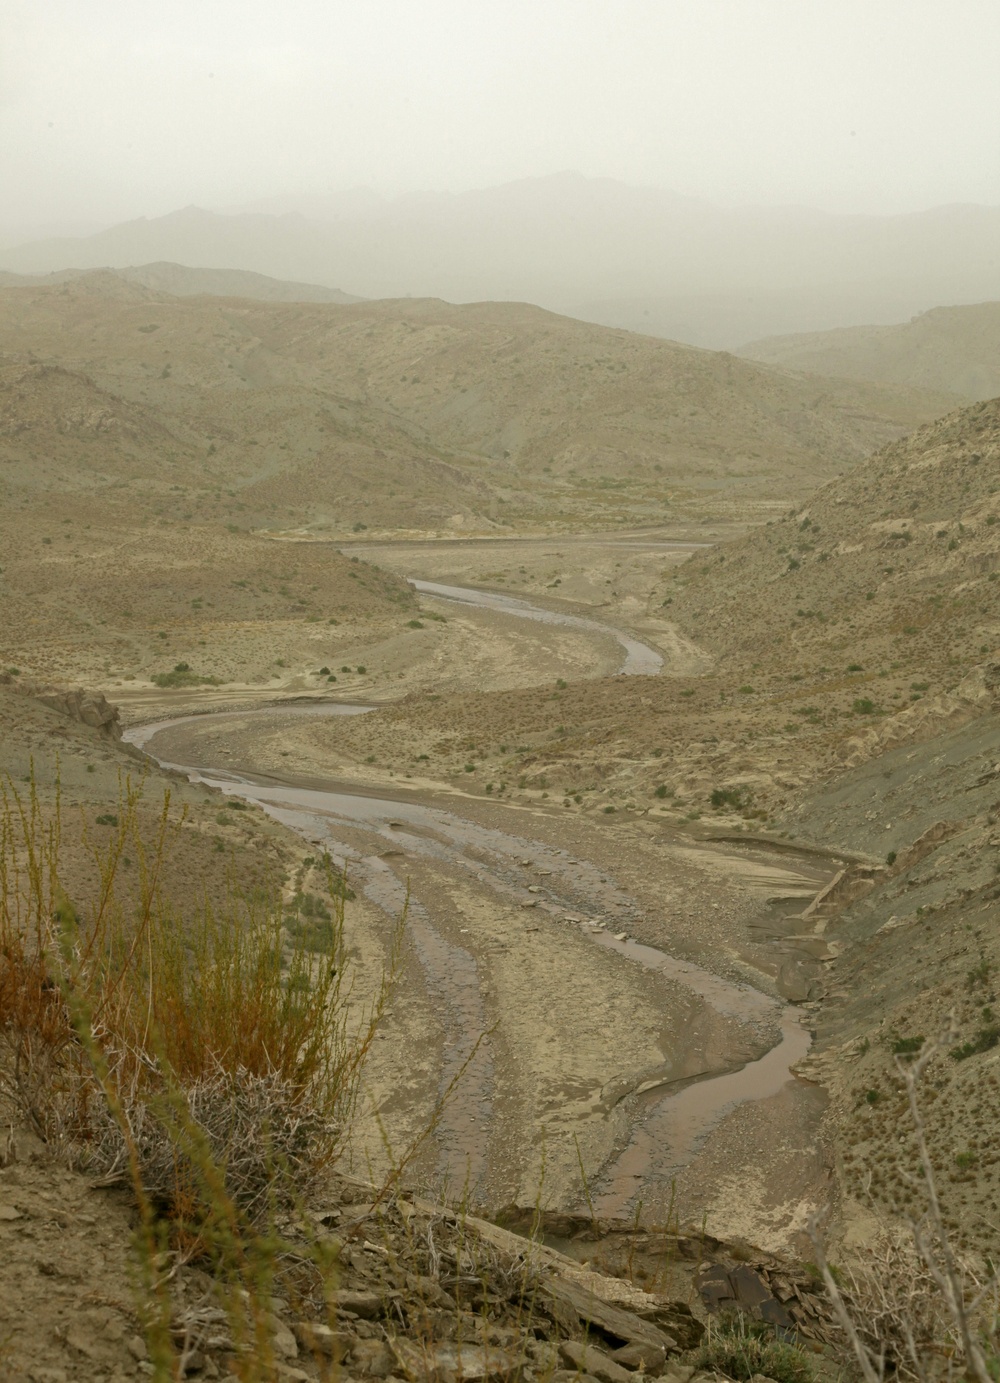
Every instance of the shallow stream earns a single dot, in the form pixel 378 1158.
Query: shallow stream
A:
pixel 669 1120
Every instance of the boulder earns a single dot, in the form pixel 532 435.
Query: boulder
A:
pixel 89 708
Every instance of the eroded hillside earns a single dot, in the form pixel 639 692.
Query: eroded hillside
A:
pixel 416 415
pixel 949 348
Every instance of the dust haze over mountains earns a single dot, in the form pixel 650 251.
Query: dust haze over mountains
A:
pixel 593 248
pixel 743 170
pixel 323 391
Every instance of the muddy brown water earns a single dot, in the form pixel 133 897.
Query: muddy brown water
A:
pixel 640 659
pixel 670 1121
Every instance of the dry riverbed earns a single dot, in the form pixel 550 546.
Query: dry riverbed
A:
pixel 615 976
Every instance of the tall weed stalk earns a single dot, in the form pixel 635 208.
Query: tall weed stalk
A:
pixel 205 1059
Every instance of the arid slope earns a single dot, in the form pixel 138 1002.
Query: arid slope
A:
pixel 416 415
pixel 949 348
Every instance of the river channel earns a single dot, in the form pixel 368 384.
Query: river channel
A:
pixel 528 904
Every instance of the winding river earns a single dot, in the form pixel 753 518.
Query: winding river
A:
pixel 670 1115
pixel 640 659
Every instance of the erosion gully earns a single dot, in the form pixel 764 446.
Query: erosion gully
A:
pixel 670 1119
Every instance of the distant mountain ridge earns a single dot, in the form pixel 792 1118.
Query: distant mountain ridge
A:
pixel 643 258
pixel 952 348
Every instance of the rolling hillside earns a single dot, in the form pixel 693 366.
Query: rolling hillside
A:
pixel 949 348
pixel 406 415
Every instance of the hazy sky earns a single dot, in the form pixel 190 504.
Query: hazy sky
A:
pixel 117 108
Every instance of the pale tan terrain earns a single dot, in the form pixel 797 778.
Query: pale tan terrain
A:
pixel 825 715
pixel 949 348
pixel 410 415
pixel 183 281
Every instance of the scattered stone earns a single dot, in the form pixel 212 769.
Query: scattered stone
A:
pixel 372 1358
pixel 10 1212
pixel 136 1346
pixel 618 1324
pixel 454 1360
pixel 679 1321
pixel 283 1339
pixel 544 1355
pixel 316 1338
pixel 651 1359
pixel 590 1359
pixel 367 1305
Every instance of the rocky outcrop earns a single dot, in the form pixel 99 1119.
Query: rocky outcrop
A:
pixel 974 695
pixel 90 708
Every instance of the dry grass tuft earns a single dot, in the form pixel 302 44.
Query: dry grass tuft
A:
pixel 206 1062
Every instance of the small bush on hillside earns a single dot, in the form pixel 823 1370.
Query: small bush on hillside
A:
pixel 978 975
pixel 182 676
pixel 742 1349
pixel 984 1041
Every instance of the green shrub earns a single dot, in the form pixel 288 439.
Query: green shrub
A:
pixel 985 1040
pixel 662 791
pixel 907 1046
pixel 741 1349
pixel 182 676
pixel 979 974
pixel 863 706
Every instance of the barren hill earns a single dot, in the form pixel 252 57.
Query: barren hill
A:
pixel 182 281
pixel 413 414
pixel 896 562
pixel 949 348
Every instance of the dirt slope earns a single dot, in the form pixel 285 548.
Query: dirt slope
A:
pixel 894 563
pixel 417 414
pixel 949 348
